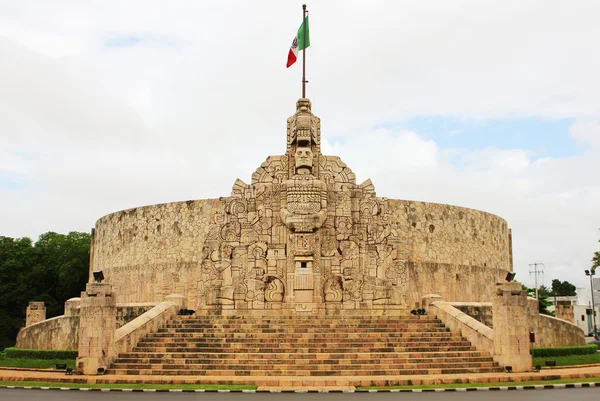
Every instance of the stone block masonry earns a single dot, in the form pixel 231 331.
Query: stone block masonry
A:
pixel 302 237
pixel 511 327
pixel 97 324
pixel 36 312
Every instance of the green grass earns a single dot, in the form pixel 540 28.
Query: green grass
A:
pixel 569 360
pixel 35 363
pixel 501 384
pixel 133 386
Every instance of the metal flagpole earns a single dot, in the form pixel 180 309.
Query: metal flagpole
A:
pixel 304 13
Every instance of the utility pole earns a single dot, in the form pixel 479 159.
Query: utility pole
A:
pixel 591 274
pixel 535 272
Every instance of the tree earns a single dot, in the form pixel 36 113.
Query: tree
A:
pixel 563 289
pixel 543 303
pixel 52 270
pixel 595 261
pixel 543 291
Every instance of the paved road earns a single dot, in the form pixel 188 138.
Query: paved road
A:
pixel 583 394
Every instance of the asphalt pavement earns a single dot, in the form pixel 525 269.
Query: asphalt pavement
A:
pixel 570 394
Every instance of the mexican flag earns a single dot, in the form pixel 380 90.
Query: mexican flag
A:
pixel 298 43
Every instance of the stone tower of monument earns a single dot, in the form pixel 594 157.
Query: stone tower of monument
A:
pixel 302 237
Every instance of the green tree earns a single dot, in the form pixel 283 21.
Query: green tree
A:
pixel 16 261
pixel 595 260
pixel 544 291
pixel 563 289
pixel 52 270
pixel 543 302
pixel 62 266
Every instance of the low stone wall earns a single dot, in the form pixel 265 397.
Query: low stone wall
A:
pixel 62 332
pixel 550 331
pixel 128 336
pixel 480 335
pixel 480 311
pixel 128 312
pixel 58 333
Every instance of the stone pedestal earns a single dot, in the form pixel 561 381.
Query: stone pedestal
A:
pixel 72 307
pixel 180 300
pixel 97 325
pixel 511 330
pixel 36 312
pixel 428 299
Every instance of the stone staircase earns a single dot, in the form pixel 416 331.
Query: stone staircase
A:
pixel 303 346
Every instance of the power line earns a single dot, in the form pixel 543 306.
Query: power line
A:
pixel 536 271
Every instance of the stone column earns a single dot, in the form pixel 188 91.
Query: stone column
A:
pixel 511 329
pixel 178 299
pixel 72 307
pixel 97 325
pixel 428 299
pixel 36 312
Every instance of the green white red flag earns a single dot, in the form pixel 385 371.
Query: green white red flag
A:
pixel 300 42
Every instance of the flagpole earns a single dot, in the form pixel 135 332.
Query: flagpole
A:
pixel 304 12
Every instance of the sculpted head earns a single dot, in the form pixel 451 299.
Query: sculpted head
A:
pixel 304 157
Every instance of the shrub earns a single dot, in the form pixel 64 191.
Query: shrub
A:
pixel 564 351
pixel 39 353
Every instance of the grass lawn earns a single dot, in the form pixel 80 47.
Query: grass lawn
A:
pixel 502 384
pixel 569 359
pixel 134 386
pixel 35 363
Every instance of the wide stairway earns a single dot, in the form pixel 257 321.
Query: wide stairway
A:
pixel 303 346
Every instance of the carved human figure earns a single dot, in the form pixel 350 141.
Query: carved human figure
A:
pixel 303 203
pixel 304 160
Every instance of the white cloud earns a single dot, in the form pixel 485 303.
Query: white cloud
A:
pixel 201 97
pixel 586 132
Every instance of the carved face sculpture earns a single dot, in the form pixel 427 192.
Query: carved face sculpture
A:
pixel 304 158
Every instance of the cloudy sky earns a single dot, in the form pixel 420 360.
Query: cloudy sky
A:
pixel 494 105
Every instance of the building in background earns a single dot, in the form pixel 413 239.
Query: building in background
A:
pixel 581 306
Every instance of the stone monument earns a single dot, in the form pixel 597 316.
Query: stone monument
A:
pixel 302 237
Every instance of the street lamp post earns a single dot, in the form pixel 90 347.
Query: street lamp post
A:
pixel 591 274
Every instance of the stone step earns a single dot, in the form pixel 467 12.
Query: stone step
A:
pixel 259 324
pixel 321 336
pixel 303 329
pixel 303 346
pixel 286 343
pixel 300 330
pixel 304 372
pixel 314 355
pixel 298 361
pixel 221 318
pixel 313 367
pixel 309 349
pixel 273 319
pixel 316 320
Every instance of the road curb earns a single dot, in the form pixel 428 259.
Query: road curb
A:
pixel 430 390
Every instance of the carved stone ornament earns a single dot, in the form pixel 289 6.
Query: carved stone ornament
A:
pixel 332 289
pixel 274 291
pixel 304 204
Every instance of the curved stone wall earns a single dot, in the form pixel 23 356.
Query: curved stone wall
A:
pixel 149 252
pixel 550 331
pixel 61 332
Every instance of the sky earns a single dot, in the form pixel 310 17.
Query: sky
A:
pixel 108 105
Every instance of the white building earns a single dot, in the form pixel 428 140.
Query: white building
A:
pixel 582 306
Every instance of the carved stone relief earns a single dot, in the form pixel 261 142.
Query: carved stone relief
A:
pixel 302 224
